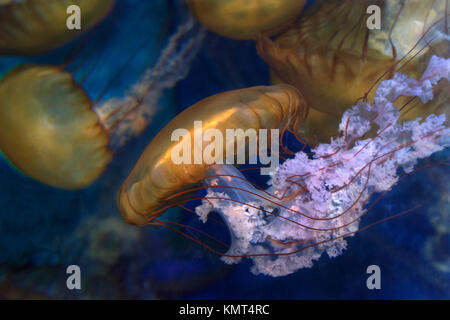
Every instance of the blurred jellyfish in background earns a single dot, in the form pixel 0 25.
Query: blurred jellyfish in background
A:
pixel 69 139
pixel 31 27
pixel 332 47
pixel 48 130
pixel 244 20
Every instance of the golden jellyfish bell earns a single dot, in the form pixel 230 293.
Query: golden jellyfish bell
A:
pixel 31 27
pixel 155 177
pixel 239 19
pixel 334 59
pixel 48 130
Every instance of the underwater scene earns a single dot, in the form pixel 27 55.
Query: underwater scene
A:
pixel 224 149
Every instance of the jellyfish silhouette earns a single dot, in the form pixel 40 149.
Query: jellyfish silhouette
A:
pixel 33 27
pixel 243 20
pixel 53 132
pixel 331 47
pixel 313 200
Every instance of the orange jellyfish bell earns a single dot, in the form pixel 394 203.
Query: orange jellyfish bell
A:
pixel 238 19
pixel 334 59
pixel 144 194
pixel 31 27
pixel 48 130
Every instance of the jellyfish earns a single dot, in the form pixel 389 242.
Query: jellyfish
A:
pixel 244 20
pixel 331 46
pixel 156 177
pixel 32 27
pixel 52 131
pixel 314 200
pixel 40 135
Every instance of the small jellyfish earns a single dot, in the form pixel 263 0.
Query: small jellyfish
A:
pixel 48 128
pixel 53 132
pixel 313 200
pixel 32 27
pixel 334 59
pixel 244 19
